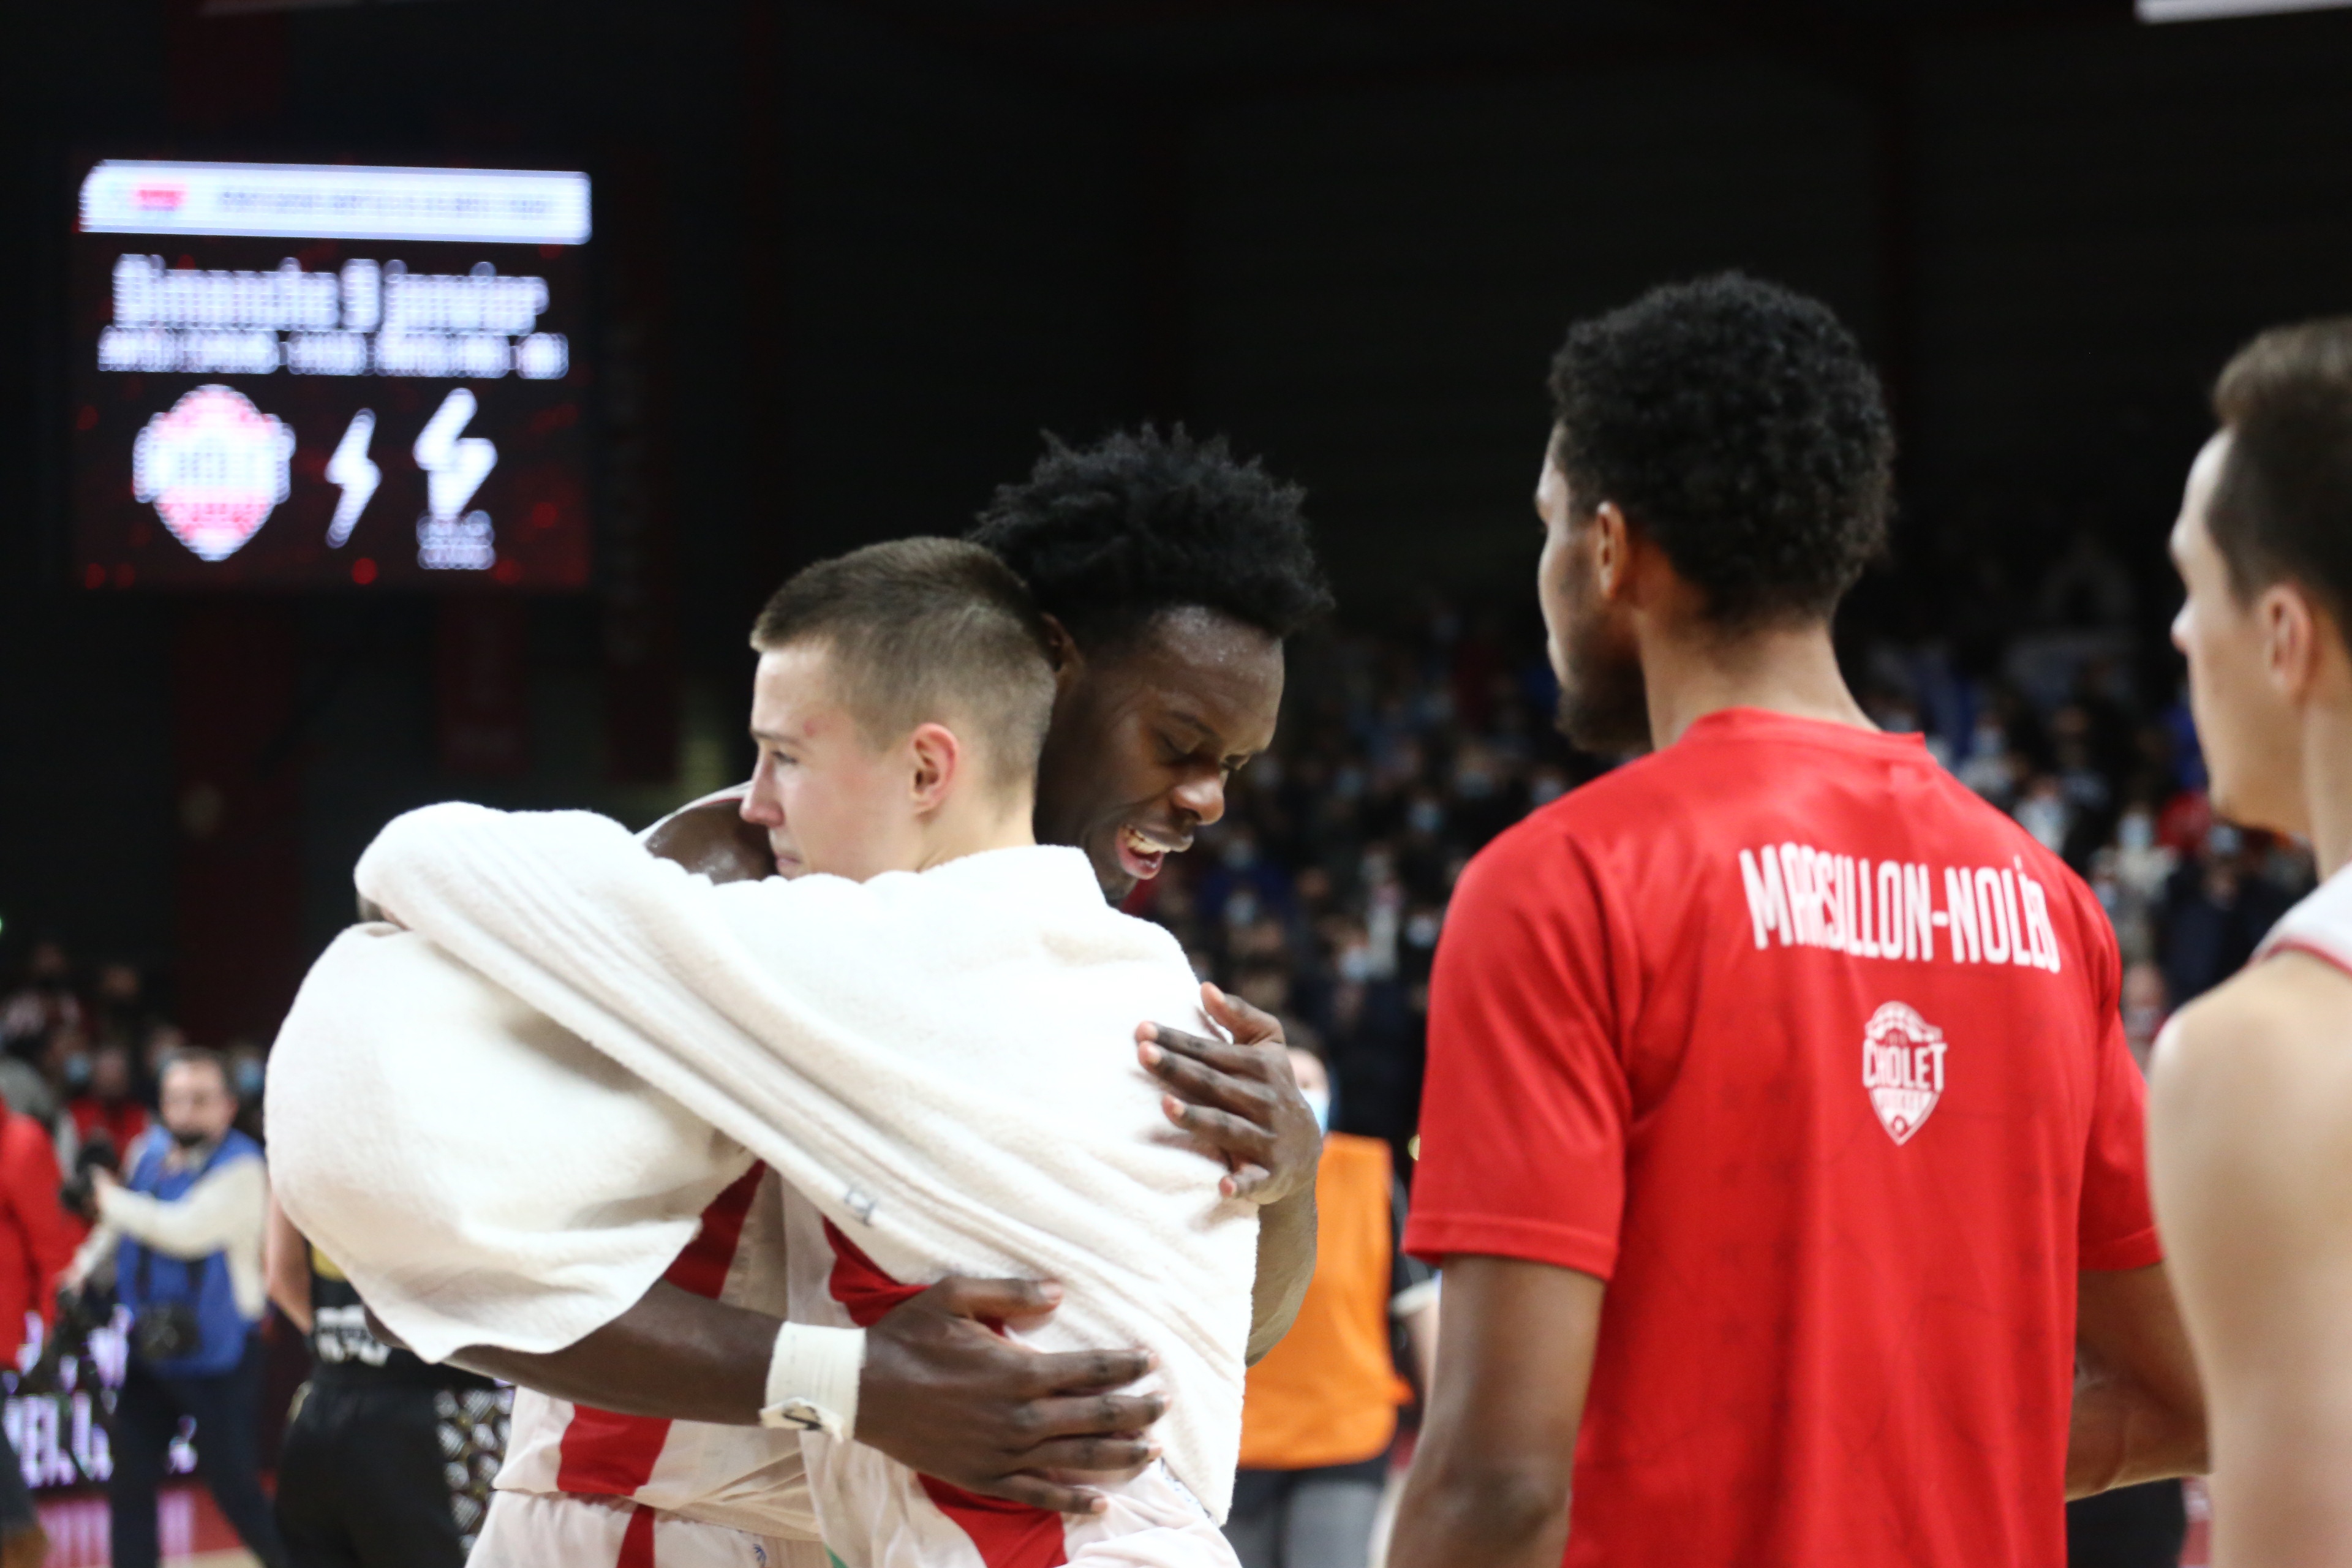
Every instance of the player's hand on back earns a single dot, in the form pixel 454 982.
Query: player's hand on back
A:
pixel 947 1395
pixel 1239 1098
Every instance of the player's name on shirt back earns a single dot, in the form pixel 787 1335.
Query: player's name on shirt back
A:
pixel 1802 896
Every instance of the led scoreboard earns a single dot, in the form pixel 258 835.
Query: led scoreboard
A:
pixel 305 375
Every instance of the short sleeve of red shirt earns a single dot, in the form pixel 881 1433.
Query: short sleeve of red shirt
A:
pixel 1524 1112
pixel 2117 1227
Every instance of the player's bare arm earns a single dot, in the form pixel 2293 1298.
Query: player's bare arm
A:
pixel 1490 1478
pixel 941 1392
pixel 2140 1413
pixel 2251 1131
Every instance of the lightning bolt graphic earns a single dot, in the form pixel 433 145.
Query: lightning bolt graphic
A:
pixel 453 469
pixel 350 469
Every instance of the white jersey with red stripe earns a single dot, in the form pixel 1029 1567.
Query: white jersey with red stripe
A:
pixel 877 1513
pixel 529 1529
pixel 750 1479
pixel 2321 925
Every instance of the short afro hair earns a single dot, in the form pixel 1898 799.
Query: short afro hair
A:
pixel 1737 426
pixel 1110 535
pixel 2282 505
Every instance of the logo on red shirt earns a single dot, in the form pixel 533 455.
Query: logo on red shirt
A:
pixel 1902 1069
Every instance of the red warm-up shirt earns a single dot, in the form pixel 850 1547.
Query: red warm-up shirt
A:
pixel 35 1245
pixel 1815 1058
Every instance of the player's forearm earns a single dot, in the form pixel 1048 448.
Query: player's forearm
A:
pixel 2288 1507
pixel 674 1355
pixel 2121 1434
pixel 1286 1263
pixel 1501 1516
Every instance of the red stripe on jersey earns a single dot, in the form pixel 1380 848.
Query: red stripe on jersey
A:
pixel 606 1454
pixel 701 1269
pixel 638 1541
pixel 1006 1535
pixel 858 1283
pixel 2326 955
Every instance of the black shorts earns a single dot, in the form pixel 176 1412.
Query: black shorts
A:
pixel 388 1473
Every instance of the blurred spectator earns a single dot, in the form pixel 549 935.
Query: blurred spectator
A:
pixel 2217 908
pixel 119 1014
pixel 1321 1408
pixel 44 999
pixel 2088 586
pixel 2145 1009
pixel 248 1075
pixel 185 1234
pixel 35 1249
pixel 2046 813
pixel 24 1086
pixel 106 1107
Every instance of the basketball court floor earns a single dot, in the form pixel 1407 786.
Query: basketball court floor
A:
pixel 195 1534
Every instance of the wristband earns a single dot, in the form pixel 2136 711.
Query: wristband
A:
pixel 812 1379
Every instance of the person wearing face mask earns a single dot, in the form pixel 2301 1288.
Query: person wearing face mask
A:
pixel 1320 1411
pixel 103 1105
pixel 183 1233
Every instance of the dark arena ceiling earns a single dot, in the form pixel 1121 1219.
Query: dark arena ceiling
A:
pixel 1218 48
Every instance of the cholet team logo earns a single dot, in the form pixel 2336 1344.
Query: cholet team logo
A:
pixel 1902 1069
pixel 213 467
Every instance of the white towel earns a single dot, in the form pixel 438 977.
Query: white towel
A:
pixel 483 1177
pixel 942 1063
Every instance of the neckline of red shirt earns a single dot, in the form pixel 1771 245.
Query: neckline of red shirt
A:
pixel 1741 721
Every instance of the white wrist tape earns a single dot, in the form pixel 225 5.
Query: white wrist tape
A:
pixel 813 1380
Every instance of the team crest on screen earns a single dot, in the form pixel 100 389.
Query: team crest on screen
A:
pixel 1902 1069
pixel 213 467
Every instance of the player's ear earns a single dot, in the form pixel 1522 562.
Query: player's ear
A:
pixel 938 758
pixel 1612 550
pixel 2290 632
pixel 1062 649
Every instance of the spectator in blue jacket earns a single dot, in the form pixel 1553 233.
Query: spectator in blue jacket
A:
pixel 183 1232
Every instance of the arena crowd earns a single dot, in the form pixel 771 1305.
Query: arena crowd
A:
pixel 1405 749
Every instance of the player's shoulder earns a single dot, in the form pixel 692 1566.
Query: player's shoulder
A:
pixel 2278 1023
pixel 1034 896
pixel 2249 1110
pixel 1974 830
pixel 1546 839
pixel 1627 794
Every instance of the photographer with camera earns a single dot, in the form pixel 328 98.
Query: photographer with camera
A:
pixel 184 1234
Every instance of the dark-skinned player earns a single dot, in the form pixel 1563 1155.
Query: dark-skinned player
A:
pixel 1780 1142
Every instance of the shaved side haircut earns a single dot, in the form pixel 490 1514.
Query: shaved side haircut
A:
pixel 2283 508
pixel 922 631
